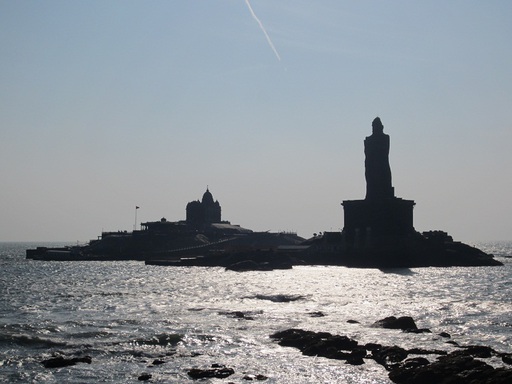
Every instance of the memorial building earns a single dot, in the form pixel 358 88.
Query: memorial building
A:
pixel 381 217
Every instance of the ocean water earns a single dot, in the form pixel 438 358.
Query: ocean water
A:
pixel 126 315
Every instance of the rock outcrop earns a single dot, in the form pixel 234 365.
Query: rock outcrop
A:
pixel 458 367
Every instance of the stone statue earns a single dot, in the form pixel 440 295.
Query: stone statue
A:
pixel 377 169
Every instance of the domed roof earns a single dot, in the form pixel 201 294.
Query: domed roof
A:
pixel 207 197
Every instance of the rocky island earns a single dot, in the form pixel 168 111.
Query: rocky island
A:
pixel 378 232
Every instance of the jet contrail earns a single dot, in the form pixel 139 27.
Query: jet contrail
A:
pixel 263 29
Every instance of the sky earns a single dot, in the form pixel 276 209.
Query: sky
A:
pixel 109 105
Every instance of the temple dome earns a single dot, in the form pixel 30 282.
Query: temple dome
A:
pixel 203 212
pixel 207 197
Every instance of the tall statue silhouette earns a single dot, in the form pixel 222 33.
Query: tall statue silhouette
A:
pixel 377 169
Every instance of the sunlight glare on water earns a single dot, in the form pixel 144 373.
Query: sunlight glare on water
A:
pixel 126 314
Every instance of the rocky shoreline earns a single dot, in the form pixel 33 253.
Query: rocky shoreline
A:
pixel 405 366
pixel 460 364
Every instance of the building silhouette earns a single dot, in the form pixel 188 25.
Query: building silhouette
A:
pixel 204 212
pixel 381 220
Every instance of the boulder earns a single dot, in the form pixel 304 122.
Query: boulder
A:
pixel 388 356
pixel 331 347
pixel 297 338
pixel 405 323
pixel 59 362
pixel 458 367
pixel 321 344
pixel 356 356
pixel 237 315
pixel 216 371
pixel 145 377
pixel 479 351
pixel 258 377
pixel 373 346
pixel 421 351
pixel 414 362
pixel 450 369
pixel 507 358
pixel 279 298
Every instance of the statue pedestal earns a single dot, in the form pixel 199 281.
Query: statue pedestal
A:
pixel 367 221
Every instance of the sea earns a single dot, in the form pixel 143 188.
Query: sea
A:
pixel 134 319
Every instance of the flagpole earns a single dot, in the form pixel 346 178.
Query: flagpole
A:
pixel 135 225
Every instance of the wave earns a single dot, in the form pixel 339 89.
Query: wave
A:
pixel 90 334
pixel 163 339
pixel 31 341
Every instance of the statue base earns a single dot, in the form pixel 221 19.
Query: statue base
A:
pixel 371 221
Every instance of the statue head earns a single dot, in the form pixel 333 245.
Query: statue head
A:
pixel 377 126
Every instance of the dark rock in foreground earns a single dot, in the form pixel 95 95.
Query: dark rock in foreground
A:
pixel 391 322
pixel 258 377
pixel 450 369
pixel 279 298
pixel 238 315
pixel 59 362
pixel 145 377
pixel 458 367
pixel 216 371
pixel 316 314
pixel 321 344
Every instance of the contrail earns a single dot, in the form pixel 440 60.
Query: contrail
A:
pixel 263 29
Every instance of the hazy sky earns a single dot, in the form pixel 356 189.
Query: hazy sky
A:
pixel 105 105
